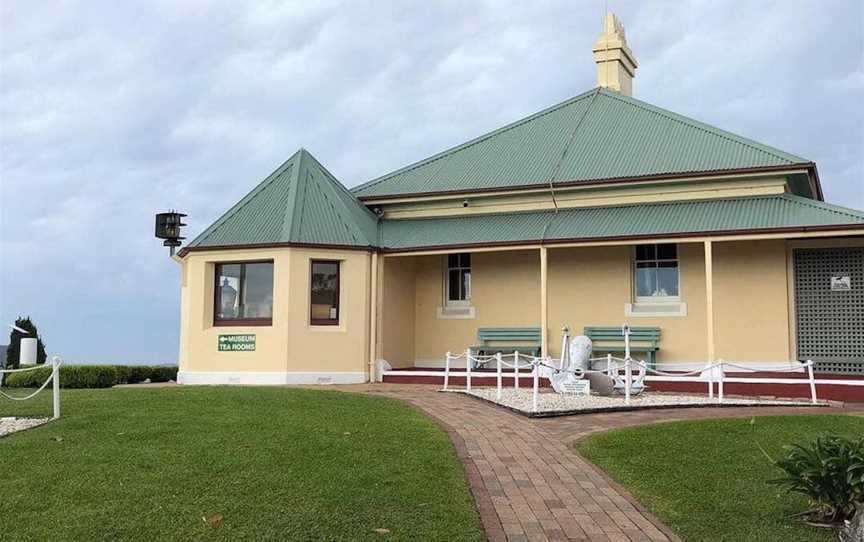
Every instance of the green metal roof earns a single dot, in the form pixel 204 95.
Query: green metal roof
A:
pixel 600 134
pixel 299 203
pixel 626 221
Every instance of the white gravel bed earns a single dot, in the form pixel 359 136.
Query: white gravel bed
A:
pixel 11 425
pixel 551 403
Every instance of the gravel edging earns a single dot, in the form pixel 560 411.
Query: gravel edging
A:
pixel 12 425
pixel 662 402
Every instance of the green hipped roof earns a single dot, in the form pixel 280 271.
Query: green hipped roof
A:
pixel 299 203
pixel 625 221
pixel 600 134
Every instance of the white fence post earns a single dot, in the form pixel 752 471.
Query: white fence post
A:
pixel 720 384
pixel 468 369
pixel 710 380
pixel 628 373
pixel 446 371
pixel 498 362
pixel 56 376
pixel 812 382
pixel 516 370
pixel 536 385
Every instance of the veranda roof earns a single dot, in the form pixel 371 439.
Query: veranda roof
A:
pixel 672 219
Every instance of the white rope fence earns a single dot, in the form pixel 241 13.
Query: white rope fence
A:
pixel 53 377
pixel 614 366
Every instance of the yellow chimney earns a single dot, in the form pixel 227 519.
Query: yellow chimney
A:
pixel 616 64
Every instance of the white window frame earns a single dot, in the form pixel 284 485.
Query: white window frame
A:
pixel 456 302
pixel 454 309
pixel 640 300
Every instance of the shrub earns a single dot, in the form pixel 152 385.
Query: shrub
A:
pixel 123 374
pixel 830 472
pixel 163 373
pixel 93 376
pixel 138 373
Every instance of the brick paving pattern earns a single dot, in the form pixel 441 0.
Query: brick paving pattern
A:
pixel 527 481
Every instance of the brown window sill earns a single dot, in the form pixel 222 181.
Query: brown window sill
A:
pixel 324 322
pixel 240 322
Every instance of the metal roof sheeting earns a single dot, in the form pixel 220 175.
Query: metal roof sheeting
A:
pixel 600 134
pixel 300 202
pixel 638 220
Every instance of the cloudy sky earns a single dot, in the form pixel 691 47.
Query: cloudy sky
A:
pixel 111 111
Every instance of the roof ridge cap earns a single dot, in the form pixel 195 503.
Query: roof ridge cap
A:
pixel 704 127
pixel 339 186
pixel 290 217
pixel 572 139
pixel 478 139
pixel 345 218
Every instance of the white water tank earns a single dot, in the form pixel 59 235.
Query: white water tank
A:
pixel 27 355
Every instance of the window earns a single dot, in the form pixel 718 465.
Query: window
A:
pixel 458 279
pixel 324 302
pixel 243 294
pixel 656 273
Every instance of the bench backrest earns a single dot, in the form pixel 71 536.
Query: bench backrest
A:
pixel 640 334
pixel 526 334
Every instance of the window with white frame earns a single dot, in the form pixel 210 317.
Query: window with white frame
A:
pixel 655 274
pixel 457 280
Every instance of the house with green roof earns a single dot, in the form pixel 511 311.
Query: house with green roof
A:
pixel 600 211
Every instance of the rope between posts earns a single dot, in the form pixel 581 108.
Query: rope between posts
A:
pixel 35 367
pixel 32 395
pixel 790 369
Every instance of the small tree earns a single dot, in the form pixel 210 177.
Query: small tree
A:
pixel 13 351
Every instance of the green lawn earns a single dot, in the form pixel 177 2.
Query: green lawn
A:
pixel 272 463
pixel 707 479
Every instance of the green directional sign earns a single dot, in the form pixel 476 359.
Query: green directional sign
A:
pixel 236 343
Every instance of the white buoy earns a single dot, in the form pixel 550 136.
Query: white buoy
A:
pixel 27 355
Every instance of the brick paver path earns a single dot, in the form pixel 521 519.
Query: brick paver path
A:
pixel 529 484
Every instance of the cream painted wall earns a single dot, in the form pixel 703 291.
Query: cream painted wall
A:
pixel 751 302
pixel 505 292
pixel 588 196
pixel 398 311
pixel 587 286
pixel 590 286
pixel 290 344
pixel 341 348
pixel 199 335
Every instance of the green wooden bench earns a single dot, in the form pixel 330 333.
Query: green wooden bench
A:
pixel 643 340
pixel 529 340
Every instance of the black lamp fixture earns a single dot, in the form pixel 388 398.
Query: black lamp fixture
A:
pixel 168 228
